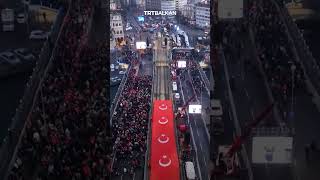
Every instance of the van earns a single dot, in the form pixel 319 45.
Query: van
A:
pixel 174 86
pixel 190 171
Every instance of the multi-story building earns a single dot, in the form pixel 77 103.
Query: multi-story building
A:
pixel 116 27
pixel 180 4
pixel 153 5
pixel 203 15
pixel 141 4
pixel 188 11
pixel 168 5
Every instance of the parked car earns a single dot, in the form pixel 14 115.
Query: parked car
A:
pixel 216 107
pixel 10 58
pixel 122 72
pixel 25 54
pixel 21 18
pixel 217 126
pixel 38 35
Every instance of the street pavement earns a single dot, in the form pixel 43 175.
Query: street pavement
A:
pixel 198 129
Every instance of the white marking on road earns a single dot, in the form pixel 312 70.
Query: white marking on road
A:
pixel 252 114
pixel 121 177
pixel 134 175
pixel 247 94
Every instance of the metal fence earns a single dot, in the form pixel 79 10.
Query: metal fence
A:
pixel 8 148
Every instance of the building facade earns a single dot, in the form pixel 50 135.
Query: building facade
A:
pixel 202 15
pixel 153 5
pixel 168 5
pixel 117 33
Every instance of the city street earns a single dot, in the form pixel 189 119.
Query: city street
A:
pixel 197 126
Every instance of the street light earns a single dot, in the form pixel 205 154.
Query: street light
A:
pixel 293 68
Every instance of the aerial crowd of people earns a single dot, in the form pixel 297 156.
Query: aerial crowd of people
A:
pixel 65 136
pixel 130 124
pixel 275 53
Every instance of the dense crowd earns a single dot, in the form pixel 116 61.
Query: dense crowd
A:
pixel 65 135
pixel 130 124
pixel 197 81
pixel 275 52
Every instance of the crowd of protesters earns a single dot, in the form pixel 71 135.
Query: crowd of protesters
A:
pixel 130 124
pixel 275 52
pixel 65 134
pixel 196 79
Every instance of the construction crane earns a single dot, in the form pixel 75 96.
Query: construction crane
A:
pixel 227 162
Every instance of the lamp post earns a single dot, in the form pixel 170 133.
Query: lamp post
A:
pixel 293 68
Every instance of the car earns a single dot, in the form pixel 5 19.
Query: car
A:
pixel 217 126
pixel 10 58
pixel 117 67
pixel 21 18
pixel 174 86
pixel 216 107
pixel 24 54
pixel 128 28
pixel 177 95
pixel 38 35
pixel 122 72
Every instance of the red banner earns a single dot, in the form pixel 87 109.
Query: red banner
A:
pixel 164 160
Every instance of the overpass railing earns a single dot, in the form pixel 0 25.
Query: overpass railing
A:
pixel 8 147
pixel 146 173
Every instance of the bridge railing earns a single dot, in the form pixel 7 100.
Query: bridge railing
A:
pixel 9 146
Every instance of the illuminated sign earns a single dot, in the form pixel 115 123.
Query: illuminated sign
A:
pixel 182 64
pixel 141 45
pixel 141 18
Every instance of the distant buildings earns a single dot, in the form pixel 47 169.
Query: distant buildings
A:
pixel 117 33
pixel 168 5
pixel 202 15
